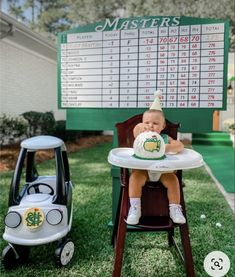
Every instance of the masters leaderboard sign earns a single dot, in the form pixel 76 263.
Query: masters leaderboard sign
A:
pixel 119 63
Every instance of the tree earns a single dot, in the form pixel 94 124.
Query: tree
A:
pixel 223 9
pixel 53 16
pixel 32 5
pixel 59 15
pixel 89 11
pixel 45 15
pixel 16 10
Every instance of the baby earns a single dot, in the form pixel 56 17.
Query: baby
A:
pixel 154 120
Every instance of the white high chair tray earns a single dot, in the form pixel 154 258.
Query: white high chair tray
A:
pixel 187 159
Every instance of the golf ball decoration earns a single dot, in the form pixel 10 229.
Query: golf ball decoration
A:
pixel 203 216
pixel 218 224
pixel 149 145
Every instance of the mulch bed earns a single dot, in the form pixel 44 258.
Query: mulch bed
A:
pixel 9 154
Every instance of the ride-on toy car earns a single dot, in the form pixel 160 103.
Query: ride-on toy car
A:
pixel 40 207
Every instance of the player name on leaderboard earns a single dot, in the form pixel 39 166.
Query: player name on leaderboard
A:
pixel 123 68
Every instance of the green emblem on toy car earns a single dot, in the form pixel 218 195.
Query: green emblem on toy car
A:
pixel 33 218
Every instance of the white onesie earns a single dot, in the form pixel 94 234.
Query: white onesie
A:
pixel 154 176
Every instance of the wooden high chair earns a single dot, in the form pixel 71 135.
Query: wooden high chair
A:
pixel 154 203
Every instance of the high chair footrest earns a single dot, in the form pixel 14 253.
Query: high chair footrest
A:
pixel 153 223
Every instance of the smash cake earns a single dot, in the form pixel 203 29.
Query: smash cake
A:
pixel 149 145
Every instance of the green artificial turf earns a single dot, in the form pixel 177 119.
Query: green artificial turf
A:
pixel 220 160
pixel 146 254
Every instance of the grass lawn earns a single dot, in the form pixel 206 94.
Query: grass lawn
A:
pixel 146 254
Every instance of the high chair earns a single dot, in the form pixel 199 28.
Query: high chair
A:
pixel 154 203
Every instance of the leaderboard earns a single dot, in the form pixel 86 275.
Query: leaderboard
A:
pixel 123 68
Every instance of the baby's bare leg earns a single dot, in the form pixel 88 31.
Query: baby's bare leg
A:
pixel 170 181
pixel 136 182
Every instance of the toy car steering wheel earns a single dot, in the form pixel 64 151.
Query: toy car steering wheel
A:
pixel 36 188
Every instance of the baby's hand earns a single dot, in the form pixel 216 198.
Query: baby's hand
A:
pixel 174 146
pixel 168 150
pixel 140 128
pixel 144 128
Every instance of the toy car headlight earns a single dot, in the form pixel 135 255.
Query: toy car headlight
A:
pixel 12 219
pixel 54 217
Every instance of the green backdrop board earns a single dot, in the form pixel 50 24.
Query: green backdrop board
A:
pixel 108 71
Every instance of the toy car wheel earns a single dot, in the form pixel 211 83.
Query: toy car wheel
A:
pixel 13 255
pixel 64 252
pixel 9 257
pixel 23 253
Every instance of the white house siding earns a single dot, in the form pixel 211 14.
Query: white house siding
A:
pixel 28 81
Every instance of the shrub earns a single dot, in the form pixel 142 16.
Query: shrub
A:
pixel 231 128
pixel 33 118
pixel 34 123
pixel 227 124
pixel 71 135
pixel 48 123
pixel 40 123
pixel 62 133
pixel 11 129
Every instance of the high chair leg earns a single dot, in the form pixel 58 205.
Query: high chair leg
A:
pixel 188 258
pixel 119 249
pixel 170 235
pixel 117 218
pixel 121 234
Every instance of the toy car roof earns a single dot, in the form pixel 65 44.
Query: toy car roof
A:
pixel 42 142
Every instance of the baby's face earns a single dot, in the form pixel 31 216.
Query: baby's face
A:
pixel 154 121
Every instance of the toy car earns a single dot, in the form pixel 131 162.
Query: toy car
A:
pixel 40 207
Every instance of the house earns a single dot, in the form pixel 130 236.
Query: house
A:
pixel 28 70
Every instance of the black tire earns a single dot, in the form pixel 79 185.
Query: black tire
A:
pixel 23 253
pixel 64 252
pixel 9 258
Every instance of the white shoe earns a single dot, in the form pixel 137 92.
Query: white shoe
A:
pixel 176 214
pixel 134 215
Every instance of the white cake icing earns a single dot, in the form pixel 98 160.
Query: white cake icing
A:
pixel 149 145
